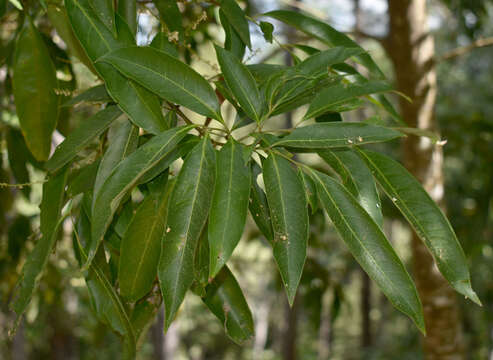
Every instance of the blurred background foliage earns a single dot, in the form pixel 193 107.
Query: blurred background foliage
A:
pixel 338 314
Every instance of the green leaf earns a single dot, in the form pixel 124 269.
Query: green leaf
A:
pixel 241 83
pixel 321 61
pixel 59 19
pixel 232 41
pixel 142 107
pixel 267 30
pixel 106 303
pixel 289 213
pixel 371 249
pixel 96 94
pixel 426 218
pixel 258 205
pixel 141 245
pixel 237 19
pixel 16 3
pixel 127 9
pixel 34 83
pixel 357 178
pixel 190 201
pixel 83 180
pixel 225 299
pixel 86 132
pixel 105 12
pixel 50 222
pixel 310 190
pixel 336 134
pixel 337 98
pixel 123 138
pixel 324 33
pixel 161 42
pixel 167 77
pixel 18 155
pixel 170 14
pixel 125 176
pixel 143 315
pixel 229 205
pixel 201 264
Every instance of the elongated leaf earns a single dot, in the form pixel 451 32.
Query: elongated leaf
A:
pixel 310 189
pixel 258 205
pixel 127 9
pixel 141 245
pixel 86 132
pixel 371 249
pixel 161 42
pixel 34 83
pixel 190 203
pixel 201 264
pixel 335 98
pixel 237 19
pixel 232 41
pixel 324 33
pixel 171 16
pixel 229 205
pixel 336 134
pixel 106 303
pixel 426 218
pixel 96 94
pixel 289 213
pixel 167 77
pixel 357 178
pixel 143 108
pixel 18 155
pixel 123 138
pixel 125 176
pixel 58 17
pixel 225 299
pixel 143 315
pixel 106 13
pixel 241 83
pixel 83 180
pixel 50 221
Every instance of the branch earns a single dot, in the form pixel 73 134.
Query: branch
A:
pixel 479 43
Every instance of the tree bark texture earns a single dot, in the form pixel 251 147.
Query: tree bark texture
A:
pixel 411 49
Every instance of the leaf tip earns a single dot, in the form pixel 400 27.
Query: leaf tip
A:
pixel 464 288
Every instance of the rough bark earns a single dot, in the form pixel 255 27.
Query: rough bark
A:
pixel 411 49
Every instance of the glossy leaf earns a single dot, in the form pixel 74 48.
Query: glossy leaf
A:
pixel 167 77
pixel 371 249
pixel 34 83
pixel 106 13
pixel 229 204
pixel 83 180
pixel 96 94
pixel 190 202
pixel 338 98
pixel 310 189
pixel 232 41
pixel 18 156
pixel 426 218
pixel 161 42
pixel 324 33
pixel 336 134
pixel 105 301
pixel 237 19
pixel 357 178
pixel 59 19
pixel 141 245
pixel 225 299
pixel 142 107
pixel 123 138
pixel 50 222
pixel 125 176
pixel 144 314
pixel 258 205
pixel 127 9
pixel 289 213
pixel 170 14
pixel 267 30
pixel 86 132
pixel 241 83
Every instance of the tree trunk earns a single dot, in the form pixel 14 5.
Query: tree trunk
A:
pixel 290 333
pixel 411 49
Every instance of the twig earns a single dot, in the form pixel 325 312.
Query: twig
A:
pixel 479 43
